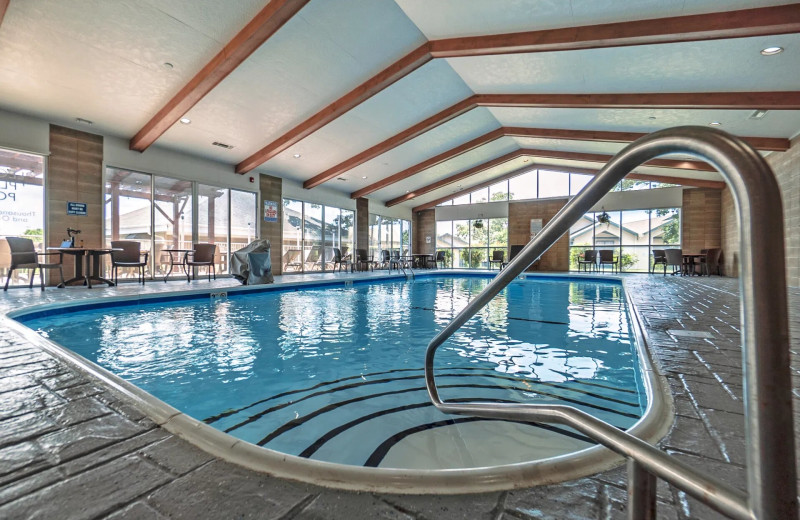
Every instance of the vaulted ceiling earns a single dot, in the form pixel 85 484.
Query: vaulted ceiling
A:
pixel 406 101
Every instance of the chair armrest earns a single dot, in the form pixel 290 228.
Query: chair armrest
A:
pixel 49 253
pixel 145 255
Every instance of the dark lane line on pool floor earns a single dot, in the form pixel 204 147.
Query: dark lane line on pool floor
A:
pixel 275 408
pixel 299 421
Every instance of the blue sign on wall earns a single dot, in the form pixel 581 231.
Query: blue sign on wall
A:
pixel 76 208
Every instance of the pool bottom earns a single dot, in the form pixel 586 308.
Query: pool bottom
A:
pixel 651 427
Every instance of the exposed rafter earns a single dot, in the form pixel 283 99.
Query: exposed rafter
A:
pixel 697 183
pixel 3 8
pixel 256 32
pixel 553 154
pixel 732 24
pixel 760 143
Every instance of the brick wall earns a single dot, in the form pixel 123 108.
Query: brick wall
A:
pixel 362 224
pixel 701 219
pixel 519 226
pixel 272 189
pixel 74 174
pixel 424 225
pixel 786 166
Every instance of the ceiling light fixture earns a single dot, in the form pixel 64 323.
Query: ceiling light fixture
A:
pixel 715 123
pixel 83 121
pixel 185 120
pixel 758 114
pixel 771 51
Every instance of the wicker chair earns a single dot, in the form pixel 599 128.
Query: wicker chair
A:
pixel 130 256
pixel 25 256
pixel 589 260
pixel 499 258
pixel 659 258
pixel 202 255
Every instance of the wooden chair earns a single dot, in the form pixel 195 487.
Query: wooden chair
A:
pixel 202 255
pixel 25 256
pixel 130 256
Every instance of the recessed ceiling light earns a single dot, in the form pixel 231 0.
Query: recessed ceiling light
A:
pixel 297 156
pixel 168 65
pixel 340 179
pixel 651 117
pixel 771 51
pixel 715 123
pixel 364 177
pixel 185 120
pixel 408 191
pixel 83 121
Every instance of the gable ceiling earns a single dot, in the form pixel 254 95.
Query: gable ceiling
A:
pixel 387 98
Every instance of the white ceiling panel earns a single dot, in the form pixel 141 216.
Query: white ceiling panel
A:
pixel 219 21
pixel 724 65
pixel 777 123
pixel 452 18
pixel 564 145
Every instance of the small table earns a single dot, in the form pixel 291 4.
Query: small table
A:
pixel 172 260
pixel 421 259
pixel 91 271
pixel 689 260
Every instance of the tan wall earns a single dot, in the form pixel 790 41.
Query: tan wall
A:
pixel 272 189
pixel 701 216
pixel 424 225
pixel 519 226
pixel 74 174
pixel 730 236
pixel 786 166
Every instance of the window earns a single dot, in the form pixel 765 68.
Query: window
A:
pixel 158 212
pixel 632 235
pixel 471 243
pixel 523 186
pixel 21 206
pixel 388 233
pixel 310 233
pixel 498 191
pixel 479 196
pixel 553 184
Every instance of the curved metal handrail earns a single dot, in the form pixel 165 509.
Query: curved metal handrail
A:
pixel 765 335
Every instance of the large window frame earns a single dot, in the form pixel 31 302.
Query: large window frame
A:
pixel 467 246
pixel 174 212
pixel 389 233
pixel 623 235
pixel 310 232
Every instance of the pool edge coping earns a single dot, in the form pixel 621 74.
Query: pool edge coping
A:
pixel 652 426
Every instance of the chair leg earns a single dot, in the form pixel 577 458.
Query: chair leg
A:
pixel 61 274
pixel 8 278
pixel 33 275
pixel 41 277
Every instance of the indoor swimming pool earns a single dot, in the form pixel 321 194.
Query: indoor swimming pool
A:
pixel 335 374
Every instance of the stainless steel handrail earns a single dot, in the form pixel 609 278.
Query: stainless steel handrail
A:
pixel 771 482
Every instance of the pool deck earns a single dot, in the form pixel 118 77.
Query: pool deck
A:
pixel 70 448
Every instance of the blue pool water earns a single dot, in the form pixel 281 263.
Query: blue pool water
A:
pixel 335 373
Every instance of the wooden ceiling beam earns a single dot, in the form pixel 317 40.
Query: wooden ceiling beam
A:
pixel 554 154
pixel 251 37
pixel 760 143
pixel 784 19
pixel 731 24
pixel 3 8
pixel 789 100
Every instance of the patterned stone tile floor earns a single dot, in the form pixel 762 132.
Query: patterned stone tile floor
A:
pixel 71 449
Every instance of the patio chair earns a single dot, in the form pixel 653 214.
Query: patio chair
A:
pixel 291 260
pixel 659 258
pixel 499 258
pixel 340 260
pixel 710 262
pixel 314 259
pixel 25 256
pixel 364 261
pixel 384 262
pixel 130 256
pixel 202 255
pixel 589 260
pixel 607 258
pixel 395 260
pixel 674 259
pixel 439 259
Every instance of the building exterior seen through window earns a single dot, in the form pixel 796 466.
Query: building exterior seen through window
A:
pixel 159 213
pixel 311 231
pixel 21 206
pixel 388 233
pixel 472 243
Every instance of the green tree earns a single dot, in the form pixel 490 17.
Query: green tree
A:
pixel 672 228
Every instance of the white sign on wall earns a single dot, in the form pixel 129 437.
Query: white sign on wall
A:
pixel 536 227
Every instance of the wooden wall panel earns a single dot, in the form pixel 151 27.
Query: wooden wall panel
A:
pixel 519 221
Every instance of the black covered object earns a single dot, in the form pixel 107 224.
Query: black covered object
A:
pixel 251 265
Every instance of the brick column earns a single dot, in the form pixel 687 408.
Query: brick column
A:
pixel 272 189
pixel 362 224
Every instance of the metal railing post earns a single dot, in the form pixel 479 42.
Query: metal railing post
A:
pixel 641 492
pixel 771 472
